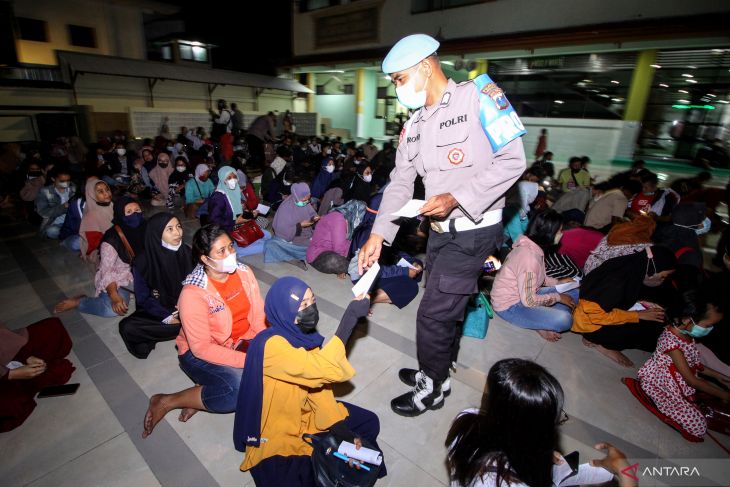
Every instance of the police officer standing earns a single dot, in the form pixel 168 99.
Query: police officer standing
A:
pixel 464 141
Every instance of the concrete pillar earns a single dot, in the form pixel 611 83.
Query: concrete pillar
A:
pixel 360 95
pixel 481 68
pixel 312 85
pixel 640 87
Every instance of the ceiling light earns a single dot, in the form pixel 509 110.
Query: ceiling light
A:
pixel 617 100
pixel 604 96
pixel 683 91
pixel 683 101
pixel 692 67
pixel 615 82
pixel 687 75
pixel 718 51
pixel 450 63
pixel 710 94
pixel 655 66
pixel 587 81
pixel 386 77
pixel 724 101
pixel 663 85
pixel 559 102
pixel 692 81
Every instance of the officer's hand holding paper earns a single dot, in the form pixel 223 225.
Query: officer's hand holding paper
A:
pixel 366 281
pixel 410 209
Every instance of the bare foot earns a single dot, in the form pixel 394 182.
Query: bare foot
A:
pixel 186 413
pixel 616 356
pixel 370 313
pixel 67 304
pixel 341 276
pixel 588 343
pixel 155 413
pixel 550 336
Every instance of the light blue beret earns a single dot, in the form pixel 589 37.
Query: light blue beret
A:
pixel 408 52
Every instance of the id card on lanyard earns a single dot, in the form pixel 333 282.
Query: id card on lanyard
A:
pixel 499 120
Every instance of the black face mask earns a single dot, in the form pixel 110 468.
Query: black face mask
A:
pixel 308 318
pixel 162 165
pixel 103 203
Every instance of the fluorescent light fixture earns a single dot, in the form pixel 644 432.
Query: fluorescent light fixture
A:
pixel 655 66
pixel 559 102
pixel 724 101
pixel 711 95
pixel 615 82
pixel 683 91
pixel 450 63
pixel 617 100
pixel 683 101
pixel 692 67
pixel 687 75
pixel 604 96
pixel 688 107
pixel 718 51
pixel 663 85
pixel 587 81
pixel 693 81
pixel 386 77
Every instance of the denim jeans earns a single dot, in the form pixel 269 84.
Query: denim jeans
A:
pixel 72 243
pixel 255 248
pixel 102 304
pixel 52 231
pixel 279 250
pixel 220 383
pixel 557 317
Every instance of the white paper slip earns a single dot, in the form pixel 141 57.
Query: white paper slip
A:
pixel 263 209
pixel 637 307
pixel 13 364
pixel 363 454
pixel 587 475
pixel 567 286
pixel 367 280
pixel 410 209
pixel 170 318
pixel 404 263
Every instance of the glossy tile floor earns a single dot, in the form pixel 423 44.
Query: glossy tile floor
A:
pixel 94 437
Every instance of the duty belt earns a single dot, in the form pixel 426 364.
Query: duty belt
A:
pixel 464 224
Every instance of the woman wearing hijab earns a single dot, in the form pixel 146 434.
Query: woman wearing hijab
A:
pixel 292 226
pixel 221 310
pixel 119 246
pixel 360 187
pixel 176 181
pixel 197 192
pixel 96 219
pixel 160 175
pixel 623 239
pixel 286 389
pixel 610 315
pixel 225 208
pixel 158 275
pixel 324 178
pixel 330 245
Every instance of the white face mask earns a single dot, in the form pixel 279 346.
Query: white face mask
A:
pixel 367 178
pixel 330 169
pixel 62 184
pixel 328 151
pixel 210 154
pixel 171 247
pixel 231 183
pixel 407 95
pixel 100 157
pixel 228 264
pixel 121 152
pixel 180 168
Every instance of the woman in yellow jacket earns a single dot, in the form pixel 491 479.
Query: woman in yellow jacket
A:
pixel 286 388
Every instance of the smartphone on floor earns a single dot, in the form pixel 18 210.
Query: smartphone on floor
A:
pixel 53 391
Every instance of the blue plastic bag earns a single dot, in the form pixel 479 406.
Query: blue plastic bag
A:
pixel 476 318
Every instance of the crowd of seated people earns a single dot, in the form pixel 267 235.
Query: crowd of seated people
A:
pixel 634 246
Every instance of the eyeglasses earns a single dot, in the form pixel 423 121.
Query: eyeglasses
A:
pixel 563 417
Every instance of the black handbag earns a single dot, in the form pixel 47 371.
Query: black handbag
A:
pixel 330 471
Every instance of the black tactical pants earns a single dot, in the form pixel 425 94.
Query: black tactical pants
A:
pixel 454 263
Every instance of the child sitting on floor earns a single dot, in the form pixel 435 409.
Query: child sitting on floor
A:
pixel 670 377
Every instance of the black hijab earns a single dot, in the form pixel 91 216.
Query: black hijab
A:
pixel 163 269
pixel 617 282
pixel 134 235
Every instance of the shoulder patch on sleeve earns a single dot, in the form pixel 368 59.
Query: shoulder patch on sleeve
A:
pixel 497 116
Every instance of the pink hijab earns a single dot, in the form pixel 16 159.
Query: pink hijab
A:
pixel 96 218
pixel 161 175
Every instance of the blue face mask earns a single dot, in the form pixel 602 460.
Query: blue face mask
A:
pixel 134 220
pixel 301 203
pixel 698 331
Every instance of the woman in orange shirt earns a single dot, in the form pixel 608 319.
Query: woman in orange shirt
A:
pixel 221 310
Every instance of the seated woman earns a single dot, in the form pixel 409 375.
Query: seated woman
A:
pixel 38 353
pixel 97 218
pixel 331 239
pixel 361 186
pixel 53 201
pixel 324 178
pixel 160 176
pixel 511 440
pixel 286 390
pixel 225 208
pixel 158 275
pixel 119 246
pixel 197 192
pixel 623 239
pixel 292 226
pixel 608 295
pixel 518 295
pixel 220 310
pixel 176 181
pixel 331 199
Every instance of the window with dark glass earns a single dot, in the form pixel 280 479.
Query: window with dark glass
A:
pixel 32 29
pixel 422 6
pixel 82 36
